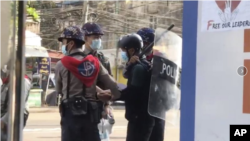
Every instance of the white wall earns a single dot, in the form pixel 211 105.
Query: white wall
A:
pixel 219 89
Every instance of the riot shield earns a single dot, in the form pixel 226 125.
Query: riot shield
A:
pixel 164 96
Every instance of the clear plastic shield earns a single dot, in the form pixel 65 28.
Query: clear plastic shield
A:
pixel 164 97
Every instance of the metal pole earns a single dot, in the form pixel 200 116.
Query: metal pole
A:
pixel 117 50
pixel 116 64
pixel 12 88
pixel 19 96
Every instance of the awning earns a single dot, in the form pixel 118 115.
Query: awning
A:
pixel 36 51
pixel 32 39
pixel 55 54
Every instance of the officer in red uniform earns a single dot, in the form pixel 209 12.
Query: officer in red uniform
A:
pixel 76 76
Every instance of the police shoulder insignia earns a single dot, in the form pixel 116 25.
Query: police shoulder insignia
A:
pixel 86 68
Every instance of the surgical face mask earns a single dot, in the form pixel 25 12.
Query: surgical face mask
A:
pixel 124 56
pixel 64 51
pixel 96 44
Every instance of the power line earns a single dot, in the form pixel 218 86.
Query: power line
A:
pixel 80 8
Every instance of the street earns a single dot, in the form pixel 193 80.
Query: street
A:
pixel 44 125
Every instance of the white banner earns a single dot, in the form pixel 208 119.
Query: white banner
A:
pixel 218 15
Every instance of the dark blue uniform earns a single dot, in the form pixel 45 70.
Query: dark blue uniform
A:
pixel 141 126
pixel 148 36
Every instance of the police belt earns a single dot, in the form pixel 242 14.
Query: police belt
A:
pixel 80 106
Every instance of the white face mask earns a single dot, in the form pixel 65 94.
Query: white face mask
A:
pixel 96 44
pixel 64 51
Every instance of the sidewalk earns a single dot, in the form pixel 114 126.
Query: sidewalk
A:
pixel 56 109
pixel 44 124
pixel 43 109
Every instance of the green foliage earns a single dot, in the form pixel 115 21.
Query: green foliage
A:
pixel 33 13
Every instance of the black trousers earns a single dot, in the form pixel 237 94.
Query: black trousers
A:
pixel 158 130
pixel 145 128
pixel 78 128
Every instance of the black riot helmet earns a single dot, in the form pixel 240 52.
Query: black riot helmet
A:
pixel 131 41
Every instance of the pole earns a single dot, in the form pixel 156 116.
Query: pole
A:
pixel 19 97
pixel 12 89
pixel 117 50
pixel 85 11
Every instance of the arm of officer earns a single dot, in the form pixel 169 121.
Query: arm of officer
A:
pixel 99 90
pixel 58 78
pixel 109 69
pixel 108 82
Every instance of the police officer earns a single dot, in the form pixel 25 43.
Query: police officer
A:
pixel 140 123
pixel 92 35
pixel 76 75
pixel 147 35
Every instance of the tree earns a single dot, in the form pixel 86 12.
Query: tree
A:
pixel 31 12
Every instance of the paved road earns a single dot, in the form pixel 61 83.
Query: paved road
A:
pixel 44 126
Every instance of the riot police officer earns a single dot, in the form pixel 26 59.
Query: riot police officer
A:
pixel 76 75
pixel 140 123
pixel 148 35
